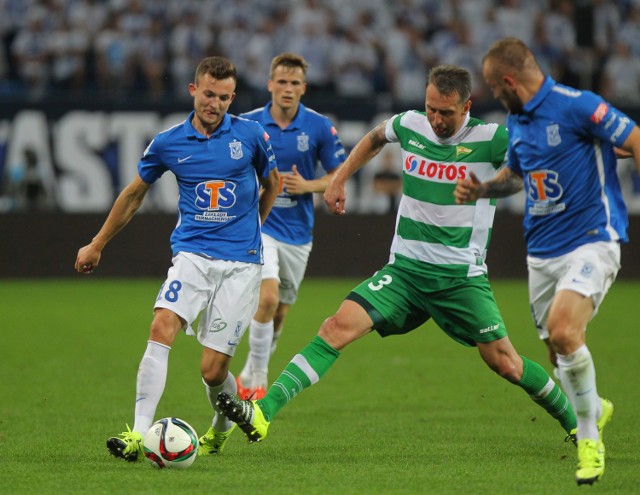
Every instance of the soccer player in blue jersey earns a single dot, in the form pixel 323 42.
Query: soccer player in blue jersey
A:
pixel 562 151
pixel 301 138
pixel 219 161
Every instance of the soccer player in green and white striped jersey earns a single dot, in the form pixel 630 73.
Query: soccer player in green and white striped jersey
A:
pixel 437 265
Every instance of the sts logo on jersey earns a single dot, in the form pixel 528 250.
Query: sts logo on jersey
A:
pixel 212 196
pixel 544 190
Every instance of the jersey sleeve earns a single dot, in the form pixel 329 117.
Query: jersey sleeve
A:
pixel 512 159
pixel 391 129
pixel 150 166
pixel 265 159
pixel 499 146
pixel 330 149
pixel 600 119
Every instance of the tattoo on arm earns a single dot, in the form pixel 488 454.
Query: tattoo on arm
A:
pixel 506 183
pixel 377 137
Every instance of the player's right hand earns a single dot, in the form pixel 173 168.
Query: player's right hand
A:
pixel 88 259
pixel 467 190
pixel 334 197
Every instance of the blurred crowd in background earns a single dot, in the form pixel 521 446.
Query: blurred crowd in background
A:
pixel 355 48
pixel 377 52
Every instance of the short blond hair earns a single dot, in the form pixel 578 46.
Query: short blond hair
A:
pixel 511 53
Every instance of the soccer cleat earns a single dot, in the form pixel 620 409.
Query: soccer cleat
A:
pixel 605 415
pixel 590 461
pixel 258 387
pixel 212 442
pixel 128 447
pixel 255 393
pixel 243 392
pixel 603 420
pixel 246 414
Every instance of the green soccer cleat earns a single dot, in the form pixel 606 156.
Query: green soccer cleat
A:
pixel 590 461
pixel 603 420
pixel 128 447
pixel 212 442
pixel 246 413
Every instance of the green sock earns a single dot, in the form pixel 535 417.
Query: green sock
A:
pixel 305 369
pixel 546 393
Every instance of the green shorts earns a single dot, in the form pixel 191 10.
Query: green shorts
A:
pixel 399 299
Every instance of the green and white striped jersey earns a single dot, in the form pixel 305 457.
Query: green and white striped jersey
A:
pixel 433 234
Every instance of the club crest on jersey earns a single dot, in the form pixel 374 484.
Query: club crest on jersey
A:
pixel 553 135
pixel 303 142
pixel 587 270
pixel 236 150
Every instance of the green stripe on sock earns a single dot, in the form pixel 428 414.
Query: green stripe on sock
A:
pixel 306 368
pixel 534 381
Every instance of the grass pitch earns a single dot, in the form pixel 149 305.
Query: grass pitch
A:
pixel 404 415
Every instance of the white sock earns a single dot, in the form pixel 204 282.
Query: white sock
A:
pixel 578 376
pixel 260 337
pixel 220 421
pixel 246 375
pixel 152 376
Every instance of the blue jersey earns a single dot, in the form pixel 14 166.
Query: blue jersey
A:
pixel 562 145
pixel 308 139
pixel 218 184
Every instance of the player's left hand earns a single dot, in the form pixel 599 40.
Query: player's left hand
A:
pixel 294 183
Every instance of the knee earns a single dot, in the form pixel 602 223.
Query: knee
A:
pixel 335 332
pixel 565 333
pixel 508 368
pixel 268 304
pixel 213 376
pixel 164 327
pixel 560 339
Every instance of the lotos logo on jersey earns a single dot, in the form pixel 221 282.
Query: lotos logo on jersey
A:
pixel 542 185
pixel 432 170
pixel 215 194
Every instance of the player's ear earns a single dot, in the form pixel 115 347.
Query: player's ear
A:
pixel 509 81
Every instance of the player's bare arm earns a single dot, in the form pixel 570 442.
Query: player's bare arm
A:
pixel 125 206
pixel 270 187
pixel 368 147
pixel 632 147
pixel 505 183
pixel 294 183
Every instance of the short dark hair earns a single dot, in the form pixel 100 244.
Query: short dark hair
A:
pixel 290 61
pixel 217 67
pixel 450 79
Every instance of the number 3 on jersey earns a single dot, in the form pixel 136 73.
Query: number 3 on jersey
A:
pixel 171 294
pixel 385 280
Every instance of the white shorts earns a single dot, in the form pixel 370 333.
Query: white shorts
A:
pixel 588 270
pixel 287 264
pixel 225 292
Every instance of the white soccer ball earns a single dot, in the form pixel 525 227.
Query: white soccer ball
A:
pixel 171 443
